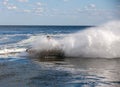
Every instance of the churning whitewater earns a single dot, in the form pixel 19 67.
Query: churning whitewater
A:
pixel 93 42
pixel 102 41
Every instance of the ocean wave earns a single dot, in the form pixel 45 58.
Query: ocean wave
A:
pixel 9 47
pixel 102 41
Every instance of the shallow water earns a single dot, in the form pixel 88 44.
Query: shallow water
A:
pixel 68 72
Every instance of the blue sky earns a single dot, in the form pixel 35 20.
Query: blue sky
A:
pixel 58 12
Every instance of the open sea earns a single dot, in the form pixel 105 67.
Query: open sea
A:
pixel 92 57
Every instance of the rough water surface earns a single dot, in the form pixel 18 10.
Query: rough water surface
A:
pixel 92 56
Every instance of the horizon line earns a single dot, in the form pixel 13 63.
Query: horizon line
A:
pixel 47 25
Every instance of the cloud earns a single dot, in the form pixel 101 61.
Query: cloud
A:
pixel 5 2
pixel 92 11
pixel 8 5
pixel 39 3
pixel 11 7
pixel 27 11
pixel 65 0
pixel 23 0
pixel 20 6
pixel 39 10
pixel 90 7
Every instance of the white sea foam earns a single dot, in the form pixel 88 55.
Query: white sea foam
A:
pixel 102 41
pixel 12 50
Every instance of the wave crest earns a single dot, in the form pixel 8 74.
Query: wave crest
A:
pixel 102 41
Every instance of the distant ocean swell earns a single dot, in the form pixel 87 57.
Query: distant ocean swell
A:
pixel 96 42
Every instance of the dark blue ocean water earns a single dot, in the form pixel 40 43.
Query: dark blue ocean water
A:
pixel 40 29
pixel 18 33
pixel 18 70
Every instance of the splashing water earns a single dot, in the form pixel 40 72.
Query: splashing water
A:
pixel 102 41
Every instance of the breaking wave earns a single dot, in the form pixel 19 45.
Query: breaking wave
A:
pixel 102 41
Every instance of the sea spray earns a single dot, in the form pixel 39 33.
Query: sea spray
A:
pixel 101 41
pixel 42 43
